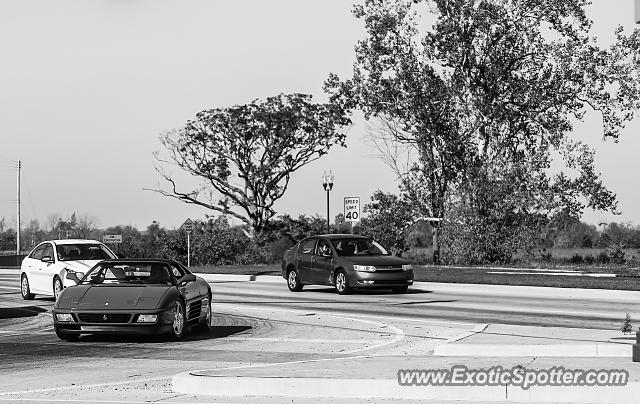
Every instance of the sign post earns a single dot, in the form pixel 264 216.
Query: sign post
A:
pixel 188 227
pixel 113 239
pixel 352 210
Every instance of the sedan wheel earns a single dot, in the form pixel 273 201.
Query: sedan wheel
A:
pixel 293 281
pixel 342 283
pixel 177 327
pixel 57 287
pixel 25 289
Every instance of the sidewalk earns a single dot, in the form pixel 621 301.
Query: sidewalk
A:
pixel 374 375
pixel 501 340
pixel 377 378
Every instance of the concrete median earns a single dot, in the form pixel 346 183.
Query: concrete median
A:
pixel 285 387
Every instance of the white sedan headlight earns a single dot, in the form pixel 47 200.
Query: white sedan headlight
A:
pixel 364 268
pixel 73 271
pixel 407 267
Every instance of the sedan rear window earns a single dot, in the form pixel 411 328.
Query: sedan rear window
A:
pixel 307 246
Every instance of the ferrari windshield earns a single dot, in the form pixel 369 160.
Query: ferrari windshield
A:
pixel 148 273
pixel 346 247
pixel 78 252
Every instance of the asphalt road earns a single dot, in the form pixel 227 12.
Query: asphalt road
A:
pixel 258 325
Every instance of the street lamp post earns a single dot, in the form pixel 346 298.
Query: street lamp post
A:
pixel 327 184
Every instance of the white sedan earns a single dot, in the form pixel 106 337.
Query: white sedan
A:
pixel 44 270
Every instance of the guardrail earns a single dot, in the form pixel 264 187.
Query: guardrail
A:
pixel 11 260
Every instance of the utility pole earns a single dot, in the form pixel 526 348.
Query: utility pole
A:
pixel 18 216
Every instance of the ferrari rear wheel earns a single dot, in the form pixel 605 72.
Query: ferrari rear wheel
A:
pixel 25 289
pixel 177 327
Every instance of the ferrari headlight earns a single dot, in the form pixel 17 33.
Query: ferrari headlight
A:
pixel 407 267
pixel 364 268
pixel 66 317
pixel 147 318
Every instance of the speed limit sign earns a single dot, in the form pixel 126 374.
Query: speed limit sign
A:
pixel 352 209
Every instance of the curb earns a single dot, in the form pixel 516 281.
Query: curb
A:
pixel 188 383
pixel 517 350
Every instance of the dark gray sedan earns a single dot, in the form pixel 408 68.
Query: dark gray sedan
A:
pixel 345 261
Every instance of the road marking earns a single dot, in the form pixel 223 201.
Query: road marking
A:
pixel 302 340
pixel 399 334
pixel 446 323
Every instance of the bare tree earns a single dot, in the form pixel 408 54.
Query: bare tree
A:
pixel 85 226
pixel 245 154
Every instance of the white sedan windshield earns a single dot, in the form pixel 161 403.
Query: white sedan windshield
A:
pixel 79 252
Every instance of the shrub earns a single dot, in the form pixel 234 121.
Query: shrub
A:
pixel 277 249
pixel 589 260
pixel 602 258
pixel 576 259
pixel 419 255
pixel 616 254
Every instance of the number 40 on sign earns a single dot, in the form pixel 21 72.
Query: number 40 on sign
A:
pixel 352 209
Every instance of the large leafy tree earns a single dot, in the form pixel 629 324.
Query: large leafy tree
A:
pixel 245 154
pixel 487 92
pixel 387 220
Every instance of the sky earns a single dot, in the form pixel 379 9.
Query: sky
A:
pixel 87 88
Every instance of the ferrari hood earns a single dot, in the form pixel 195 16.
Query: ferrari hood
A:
pixel 114 297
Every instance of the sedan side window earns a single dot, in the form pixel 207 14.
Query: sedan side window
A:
pixel 48 251
pixel 323 248
pixel 307 246
pixel 37 253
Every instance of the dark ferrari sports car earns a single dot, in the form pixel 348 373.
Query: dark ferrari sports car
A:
pixel 137 296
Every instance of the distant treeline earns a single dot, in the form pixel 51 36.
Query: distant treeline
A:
pixel 214 241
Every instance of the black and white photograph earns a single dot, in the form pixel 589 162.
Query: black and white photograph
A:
pixel 320 201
